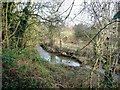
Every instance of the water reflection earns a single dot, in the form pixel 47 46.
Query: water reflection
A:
pixel 56 59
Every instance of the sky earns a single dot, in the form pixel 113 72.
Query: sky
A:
pixel 78 6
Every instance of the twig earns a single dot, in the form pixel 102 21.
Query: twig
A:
pixel 70 10
pixel 97 34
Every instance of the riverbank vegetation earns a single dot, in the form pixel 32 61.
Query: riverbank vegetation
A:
pixel 23 68
pixel 93 42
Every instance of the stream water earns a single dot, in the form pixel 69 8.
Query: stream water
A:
pixel 68 61
pixel 56 59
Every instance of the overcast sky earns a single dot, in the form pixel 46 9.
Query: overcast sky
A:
pixel 78 6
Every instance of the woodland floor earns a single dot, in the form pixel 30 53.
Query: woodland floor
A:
pixel 25 69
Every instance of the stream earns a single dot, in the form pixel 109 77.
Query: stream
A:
pixel 56 59
pixel 68 61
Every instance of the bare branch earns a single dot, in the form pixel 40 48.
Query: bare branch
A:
pixel 97 34
pixel 60 6
pixel 70 10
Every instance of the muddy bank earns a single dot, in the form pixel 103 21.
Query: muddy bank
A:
pixel 64 52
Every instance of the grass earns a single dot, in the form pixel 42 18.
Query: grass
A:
pixel 23 68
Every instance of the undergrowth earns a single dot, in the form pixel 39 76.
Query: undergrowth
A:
pixel 23 68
